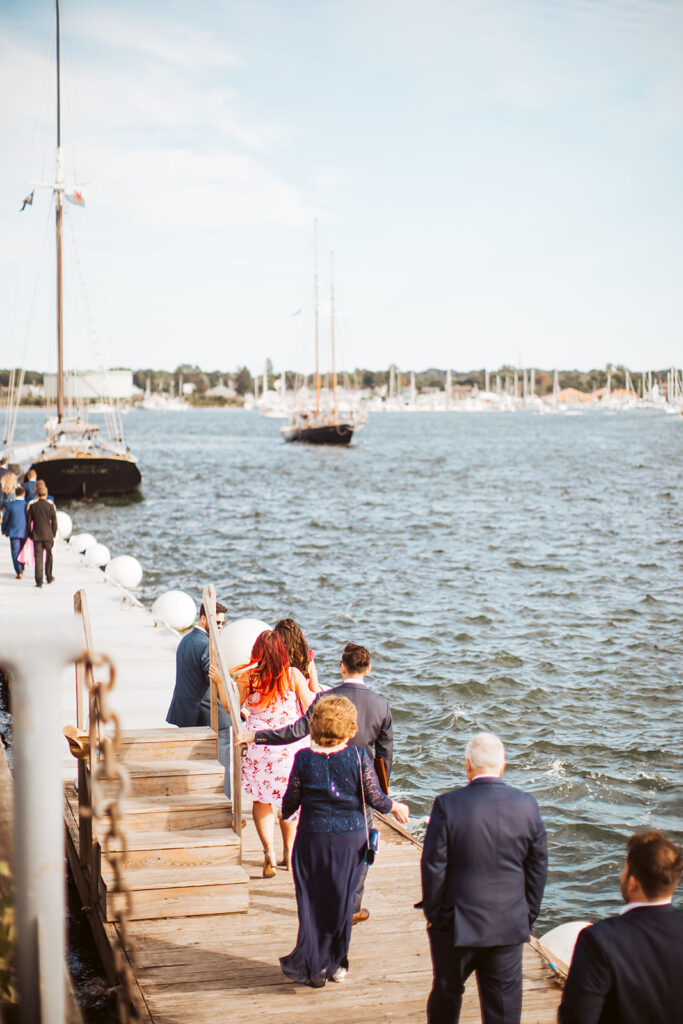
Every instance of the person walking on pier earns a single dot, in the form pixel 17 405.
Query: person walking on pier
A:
pixel 191 703
pixel 30 485
pixel 275 696
pixel 374 734
pixel 484 866
pixel 331 782
pixel 14 527
pixel 628 969
pixel 41 527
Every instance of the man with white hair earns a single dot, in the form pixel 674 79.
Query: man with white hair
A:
pixel 484 867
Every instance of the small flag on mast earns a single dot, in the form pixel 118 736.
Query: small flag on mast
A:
pixel 27 202
pixel 75 197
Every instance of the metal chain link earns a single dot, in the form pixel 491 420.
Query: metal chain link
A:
pixel 105 743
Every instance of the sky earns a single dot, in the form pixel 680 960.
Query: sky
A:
pixel 500 182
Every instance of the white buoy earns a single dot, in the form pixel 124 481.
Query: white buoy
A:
pixel 64 525
pixel 126 570
pixel 80 541
pixel 97 554
pixel 176 608
pixel 560 941
pixel 237 640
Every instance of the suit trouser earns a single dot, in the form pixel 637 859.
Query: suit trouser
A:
pixel 224 738
pixel 40 546
pixel 358 897
pixel 16 544
pixel 499 979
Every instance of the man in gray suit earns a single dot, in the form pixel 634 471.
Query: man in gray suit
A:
pixel 191 703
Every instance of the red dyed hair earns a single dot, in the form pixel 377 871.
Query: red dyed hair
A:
pixel 271 677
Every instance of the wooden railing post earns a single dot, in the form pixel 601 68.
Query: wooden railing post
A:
pixel 230 701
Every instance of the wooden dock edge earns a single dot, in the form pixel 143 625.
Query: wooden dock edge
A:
pixel 104 934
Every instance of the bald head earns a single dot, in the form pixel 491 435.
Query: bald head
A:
pixel 484 755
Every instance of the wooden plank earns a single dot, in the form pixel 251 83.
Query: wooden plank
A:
pixel 224 893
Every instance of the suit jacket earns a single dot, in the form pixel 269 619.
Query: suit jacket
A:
pixel 14 519
pixel 627 970
pixel 484 864
pixel 375 732
pixel 191 679
pixel 41 519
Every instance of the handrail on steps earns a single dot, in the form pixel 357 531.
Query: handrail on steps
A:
pixel 229 698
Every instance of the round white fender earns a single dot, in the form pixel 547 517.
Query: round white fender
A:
pixel 560 941
pixel 126 570
pixel 64 525
pixel 176 608
pixel 97 554
pixel 80 541
pixel 237 640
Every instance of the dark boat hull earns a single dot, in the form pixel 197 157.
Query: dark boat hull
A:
pixel 337 434
pixel 88 477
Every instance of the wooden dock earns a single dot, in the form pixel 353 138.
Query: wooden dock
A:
pixel 206 926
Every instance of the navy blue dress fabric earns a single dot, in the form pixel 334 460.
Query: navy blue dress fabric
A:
pixel 328 855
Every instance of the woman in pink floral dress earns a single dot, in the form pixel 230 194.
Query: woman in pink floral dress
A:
pixel 274 696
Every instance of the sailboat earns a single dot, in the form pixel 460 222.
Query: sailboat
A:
pixel 73 460
pixel 314 426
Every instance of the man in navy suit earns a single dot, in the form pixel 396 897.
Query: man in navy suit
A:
pixel 191 703
pixel 628 969
pixel 14 527
pixel 484 867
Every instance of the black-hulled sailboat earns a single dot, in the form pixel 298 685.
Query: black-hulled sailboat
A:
pixel 73 460
pixel 314 426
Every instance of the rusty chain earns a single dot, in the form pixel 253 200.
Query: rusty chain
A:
pixel 105 743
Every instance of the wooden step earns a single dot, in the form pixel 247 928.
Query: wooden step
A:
pixel 189 811
pixel 195 891
pixel 217 846
pixel 171 778
pixel 168 744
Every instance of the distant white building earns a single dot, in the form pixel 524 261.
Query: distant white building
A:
pixel 221 390
pixel 91 385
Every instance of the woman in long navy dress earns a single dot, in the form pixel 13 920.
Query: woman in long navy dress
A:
pixel 329 781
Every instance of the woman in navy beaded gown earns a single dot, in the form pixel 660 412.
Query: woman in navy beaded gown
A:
pixel 328 782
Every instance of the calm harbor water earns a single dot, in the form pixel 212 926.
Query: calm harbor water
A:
pixel 511 572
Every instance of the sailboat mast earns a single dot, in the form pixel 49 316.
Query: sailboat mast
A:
pixel 317 330
pixel 334 353
pixel 59 201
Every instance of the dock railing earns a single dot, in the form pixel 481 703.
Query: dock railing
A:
pixel 230 701
pixel 95 744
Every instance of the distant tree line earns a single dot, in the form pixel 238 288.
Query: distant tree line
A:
pixel 242 381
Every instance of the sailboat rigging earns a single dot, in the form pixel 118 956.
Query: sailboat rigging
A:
pixel 73 461
pixel 316 427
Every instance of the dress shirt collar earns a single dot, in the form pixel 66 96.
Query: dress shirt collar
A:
pixel 358 680
pixel 202 630
pixel 650 903
pixel 485 775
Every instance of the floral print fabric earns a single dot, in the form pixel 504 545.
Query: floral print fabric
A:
pixel 265 769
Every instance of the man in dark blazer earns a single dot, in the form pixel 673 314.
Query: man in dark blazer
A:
pixel 484 867
pixel 374 733
pixel 628 969
pixel 191 702
pixel 41 527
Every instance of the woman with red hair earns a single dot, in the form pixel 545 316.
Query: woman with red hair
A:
pixel 274 696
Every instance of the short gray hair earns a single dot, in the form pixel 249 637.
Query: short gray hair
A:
pixel 485 752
